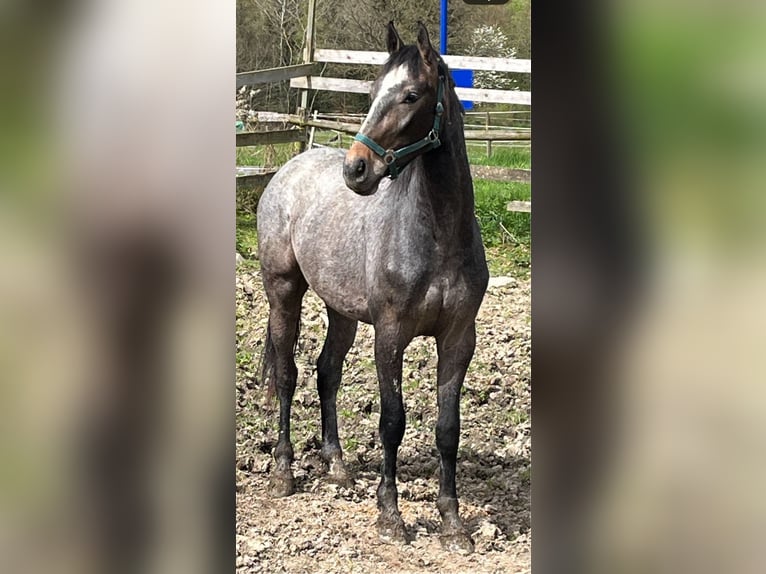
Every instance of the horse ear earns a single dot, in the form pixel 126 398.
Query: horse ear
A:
pixel 393 41
pixel 424 44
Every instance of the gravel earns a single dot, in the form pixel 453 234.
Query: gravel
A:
pixel 329 528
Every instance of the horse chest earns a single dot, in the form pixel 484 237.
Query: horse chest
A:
pixel 405 262
pixel 410 283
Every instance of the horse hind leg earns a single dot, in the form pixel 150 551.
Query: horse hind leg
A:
pixel 285 294
pixel 341 332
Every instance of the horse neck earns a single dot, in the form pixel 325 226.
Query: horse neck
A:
pixel 446 185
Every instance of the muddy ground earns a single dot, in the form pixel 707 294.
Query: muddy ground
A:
pixel 327 528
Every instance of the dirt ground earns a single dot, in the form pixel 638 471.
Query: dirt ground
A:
pixel 327 528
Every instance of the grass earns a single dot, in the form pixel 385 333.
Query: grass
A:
pixel 247 237
pixel 244 359
pixel 498 225
pixel 506 234
pixel 266 156
pixel 517 157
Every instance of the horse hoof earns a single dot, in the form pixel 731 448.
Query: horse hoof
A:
pixel 339 474
pixel 282 486
pixel 459 542
pixel 393 532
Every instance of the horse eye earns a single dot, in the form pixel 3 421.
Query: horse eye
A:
pixel 411 98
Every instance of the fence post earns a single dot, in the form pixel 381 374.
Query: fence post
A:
pixel 489 142
pixel 308 57
pixel 313 130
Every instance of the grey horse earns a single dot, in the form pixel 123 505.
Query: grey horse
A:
pixel 386 234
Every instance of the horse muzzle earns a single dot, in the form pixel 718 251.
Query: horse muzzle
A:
pixel 360 170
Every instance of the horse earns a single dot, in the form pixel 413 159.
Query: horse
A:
pixel 384 233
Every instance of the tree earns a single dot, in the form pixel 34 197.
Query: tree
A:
pixel 491 41
pixel 271 33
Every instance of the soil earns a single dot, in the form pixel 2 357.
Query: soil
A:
pixel 329 528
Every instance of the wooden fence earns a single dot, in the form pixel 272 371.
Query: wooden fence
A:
pixel 305 78
pixel 308 82
pixel 275 132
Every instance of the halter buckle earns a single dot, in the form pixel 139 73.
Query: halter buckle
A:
pixel 389 157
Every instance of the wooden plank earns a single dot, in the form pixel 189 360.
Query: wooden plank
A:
pixel 326 124
pixel 522 206
pixel 269 117
pixel 312 132
pixel 470 135
pixel 331 84
pixel 495 96
pixel 308 46
pixel 501 173
pixel 489 64
pixel 270 126
pixel 350 56
pixel 272 137
pixel 274 74
pixel 497 113
pixel 254 181
pixel 459 62
pixel 255 170
pixel 363 87
pixel 498 135
pixel 349 118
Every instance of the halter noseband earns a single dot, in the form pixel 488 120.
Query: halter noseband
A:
pixel 431 141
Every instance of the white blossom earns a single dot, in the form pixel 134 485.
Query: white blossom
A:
pixel 490 41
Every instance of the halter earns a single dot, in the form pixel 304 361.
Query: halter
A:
pixel 431 141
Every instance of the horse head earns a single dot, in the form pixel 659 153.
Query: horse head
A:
pixel 405 117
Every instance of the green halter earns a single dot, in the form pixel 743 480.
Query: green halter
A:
pixel 431 141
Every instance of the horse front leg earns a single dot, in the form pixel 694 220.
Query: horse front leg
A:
pixel 389 350
pixel 455 352
pixel 340 336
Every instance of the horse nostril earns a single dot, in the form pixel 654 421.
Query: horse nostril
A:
pixel 361 166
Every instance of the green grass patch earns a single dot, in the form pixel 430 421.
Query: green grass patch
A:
pixel 333 139
pixel 498 225
pixel 244 359
pixel 247 236
pixel 517 417
pixel 513 260
pixel 516 157
pixel 266 156
pixel 506 234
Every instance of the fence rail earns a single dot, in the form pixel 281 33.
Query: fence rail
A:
pixel 470 135
pixel 346 85
pixel 273 75
pixel 254 177
pixel 458 62
pixel 270 137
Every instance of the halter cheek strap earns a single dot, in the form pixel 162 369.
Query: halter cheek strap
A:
pixel 391 157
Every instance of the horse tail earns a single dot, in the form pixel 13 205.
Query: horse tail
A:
pixel 268 364
pixel 269 358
